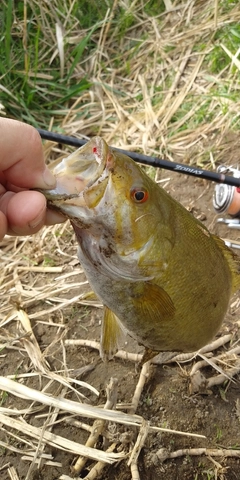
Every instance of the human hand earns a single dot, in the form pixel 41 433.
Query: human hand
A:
pixel 22 211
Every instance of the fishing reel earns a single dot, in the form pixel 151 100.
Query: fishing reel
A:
pixel 226 199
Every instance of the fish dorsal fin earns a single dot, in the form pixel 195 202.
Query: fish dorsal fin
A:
pixel 153 303
pixel 233 261
pixel 111 334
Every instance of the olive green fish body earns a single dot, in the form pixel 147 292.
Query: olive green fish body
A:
pixel 159 272
pixel 184 298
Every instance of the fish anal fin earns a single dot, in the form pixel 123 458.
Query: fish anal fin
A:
pixel 111 334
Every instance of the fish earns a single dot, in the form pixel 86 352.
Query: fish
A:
pixel 160 274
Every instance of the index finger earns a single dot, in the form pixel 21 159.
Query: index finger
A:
pixel 21 155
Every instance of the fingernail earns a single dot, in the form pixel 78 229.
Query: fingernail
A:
pixel 37 220
pixel 48 178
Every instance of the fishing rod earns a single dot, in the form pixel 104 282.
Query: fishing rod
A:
pixel 217 177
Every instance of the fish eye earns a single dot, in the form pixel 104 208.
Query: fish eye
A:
pixel 139 195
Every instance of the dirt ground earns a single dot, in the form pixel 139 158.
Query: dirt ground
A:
pixel 165 401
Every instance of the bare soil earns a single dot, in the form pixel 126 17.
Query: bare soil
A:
pixel 165 401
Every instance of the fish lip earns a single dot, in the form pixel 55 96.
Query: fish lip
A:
pixel 79 177
pixel 79 171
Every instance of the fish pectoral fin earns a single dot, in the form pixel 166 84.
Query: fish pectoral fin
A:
pixel 153 303
pixel 111 334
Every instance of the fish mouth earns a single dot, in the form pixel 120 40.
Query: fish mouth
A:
pixel 79 170
pixel 77 174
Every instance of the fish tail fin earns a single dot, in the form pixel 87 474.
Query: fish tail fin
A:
pixel 233 261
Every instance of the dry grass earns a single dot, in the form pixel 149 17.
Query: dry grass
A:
pixel 152 88
pixel 32 292
pixel 156 91
pixel 167 84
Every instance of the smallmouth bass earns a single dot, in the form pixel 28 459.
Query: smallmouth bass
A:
pixel 160 274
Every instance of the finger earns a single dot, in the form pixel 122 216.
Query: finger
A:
pixel 25 211
pixel 3 225
pixel 53 217
pixel 21 156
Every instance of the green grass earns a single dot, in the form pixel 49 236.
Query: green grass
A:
pixel 30 69
pixel 218 59
pixel 31 84
pixel 154 7
pixel 219 434
pixel 48 262
pixel 227 4
pixel 218 100
pixel 90 12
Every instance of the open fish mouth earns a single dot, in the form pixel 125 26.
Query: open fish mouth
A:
pixel 79 171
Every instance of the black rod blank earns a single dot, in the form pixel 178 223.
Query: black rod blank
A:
pixel 146 160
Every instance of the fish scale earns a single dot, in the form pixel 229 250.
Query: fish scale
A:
pixel 160 274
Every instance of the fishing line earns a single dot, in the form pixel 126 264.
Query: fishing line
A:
pixel 146 160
